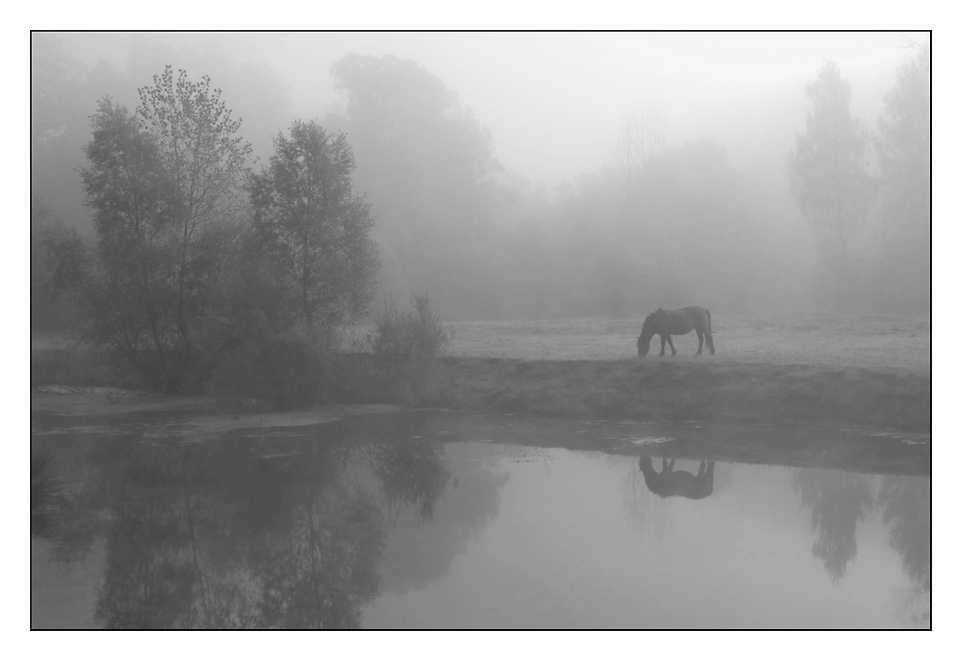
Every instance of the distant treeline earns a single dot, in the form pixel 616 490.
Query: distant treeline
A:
pixel 662 225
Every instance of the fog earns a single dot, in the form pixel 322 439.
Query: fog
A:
pixel 515 199
pixel 553 100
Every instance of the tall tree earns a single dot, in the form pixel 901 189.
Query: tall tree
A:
pixel 123 287
pixel 205 162
pixel 640 136
pixel 904 146
pixel 829 175
pixel 162 186
pixel 423 160
pixel 316 228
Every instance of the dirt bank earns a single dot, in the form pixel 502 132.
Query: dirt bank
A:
pixel 708 390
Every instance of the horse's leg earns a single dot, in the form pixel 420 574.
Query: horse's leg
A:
pixel 671 465
pixel 672 345
pixel 663 345
pixel 711 342
pixel 701 340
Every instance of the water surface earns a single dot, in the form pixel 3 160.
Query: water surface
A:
pixel 426 521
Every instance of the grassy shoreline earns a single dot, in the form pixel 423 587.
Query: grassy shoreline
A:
pixel 667 391
pixel 657 390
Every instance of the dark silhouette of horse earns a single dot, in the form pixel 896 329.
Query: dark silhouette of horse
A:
pixel 670 482
pixel 676 322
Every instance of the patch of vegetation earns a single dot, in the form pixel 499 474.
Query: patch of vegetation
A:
pixel 276 373
pixel 406 345
pixel 82 368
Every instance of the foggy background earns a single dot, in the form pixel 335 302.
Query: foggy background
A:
pixel 532 175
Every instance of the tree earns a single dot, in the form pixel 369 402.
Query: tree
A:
pixel 162 186
pixel 904 150
pixel 122 286
pixel 829 175
pixel 316 229
pixel 639 138
pixel 205 163
pixel 424 162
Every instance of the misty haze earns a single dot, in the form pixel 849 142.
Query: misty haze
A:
pixel 480 330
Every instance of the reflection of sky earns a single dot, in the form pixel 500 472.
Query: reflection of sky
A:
pixel 565 551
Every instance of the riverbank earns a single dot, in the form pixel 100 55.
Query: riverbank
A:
pixel 707 389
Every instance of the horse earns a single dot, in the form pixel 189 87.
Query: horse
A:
pixel 670 482
pixel 676 322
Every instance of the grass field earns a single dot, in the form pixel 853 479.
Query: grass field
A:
pixel 869 341
pixel 868 370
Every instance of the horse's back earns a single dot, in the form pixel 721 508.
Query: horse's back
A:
pixel 681 321
pixel 695 311
pixel 700 317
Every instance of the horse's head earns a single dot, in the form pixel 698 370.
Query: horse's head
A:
pixel 647 332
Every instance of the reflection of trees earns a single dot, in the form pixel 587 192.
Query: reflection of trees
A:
pixel 418 554
pixel 246 532
pixel 217 535
pixel 43 490
pixel 158 560
pixel 322 575
pixel 62 517
pixel 906 507
pixel 838 501
pixel 411 471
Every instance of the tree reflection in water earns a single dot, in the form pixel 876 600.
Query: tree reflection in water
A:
pixel 838 501
pixel 906 504
pixel 43 490
pixel 417 555
pixel 411 471
pixel 255 532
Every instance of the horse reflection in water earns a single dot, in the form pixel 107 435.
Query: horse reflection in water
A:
pixel 670 482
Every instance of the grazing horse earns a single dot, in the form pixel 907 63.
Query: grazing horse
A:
pixel 670 482
pixel 676 322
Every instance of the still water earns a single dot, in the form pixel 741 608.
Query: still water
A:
pixel 424 521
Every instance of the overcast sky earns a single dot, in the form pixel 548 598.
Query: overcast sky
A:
pixel 553 101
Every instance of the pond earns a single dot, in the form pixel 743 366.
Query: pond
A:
pixel 438 520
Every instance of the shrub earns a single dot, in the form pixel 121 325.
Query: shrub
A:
pixel 406 344
pixel 277 372
pixel 80 366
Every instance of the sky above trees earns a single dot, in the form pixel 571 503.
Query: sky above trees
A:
pixel 553 101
